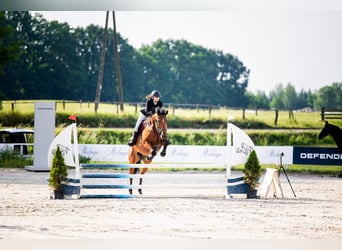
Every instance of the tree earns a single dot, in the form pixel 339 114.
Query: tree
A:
pixel 189 73
pixel 329 97
pixel 277 97
pixel 259 100
pixel 233 77
pixel 290 97
pixel 9 47
pixel 58 62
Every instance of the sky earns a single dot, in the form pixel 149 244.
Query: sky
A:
pixel 300 47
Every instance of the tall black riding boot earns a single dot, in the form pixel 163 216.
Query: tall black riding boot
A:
pixel 133 141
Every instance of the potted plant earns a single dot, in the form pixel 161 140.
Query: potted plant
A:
pixel 58 174
pixel 252 173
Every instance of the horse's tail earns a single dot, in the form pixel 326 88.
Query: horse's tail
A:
pixel 136 170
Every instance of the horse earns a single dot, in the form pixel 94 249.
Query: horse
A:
pixel 334 131
pixel 149 142
pixel 336 134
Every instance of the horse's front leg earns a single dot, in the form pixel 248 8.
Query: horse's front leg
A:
pixel 131 171
pixel 141 180
pixel 153 153
pixel 163 152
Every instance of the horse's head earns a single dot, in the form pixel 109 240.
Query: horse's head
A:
pixel 160 122
pixel 325 131
pixel 329 129
pixel 334 131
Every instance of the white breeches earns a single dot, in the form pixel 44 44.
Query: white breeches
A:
pixel 139 121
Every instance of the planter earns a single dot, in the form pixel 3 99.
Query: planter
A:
pixel 252 194
pixel 58 194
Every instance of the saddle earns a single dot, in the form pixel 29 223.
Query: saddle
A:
pixel 143 125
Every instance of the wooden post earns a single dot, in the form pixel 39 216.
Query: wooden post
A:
pixel 291 116
pixel 243 114
pixel 102 62
pixel 276 117
pixel 117 65
pixel 322 113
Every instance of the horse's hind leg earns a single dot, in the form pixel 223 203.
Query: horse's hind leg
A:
pixel 143 171
pixel 131 172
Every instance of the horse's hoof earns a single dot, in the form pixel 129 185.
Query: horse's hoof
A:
pixel 140 191
pixel 162 154
pixel 130 192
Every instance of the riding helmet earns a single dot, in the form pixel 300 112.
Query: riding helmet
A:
pixel 156 93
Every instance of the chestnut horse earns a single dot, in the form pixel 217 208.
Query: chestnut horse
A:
pixel 149 142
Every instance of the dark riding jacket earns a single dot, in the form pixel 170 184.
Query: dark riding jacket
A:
pixel 151 107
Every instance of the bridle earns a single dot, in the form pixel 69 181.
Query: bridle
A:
pixel 161 131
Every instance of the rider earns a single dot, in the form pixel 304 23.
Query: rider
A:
pixel 153 102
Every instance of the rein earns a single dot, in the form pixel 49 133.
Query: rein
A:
pixel 158 131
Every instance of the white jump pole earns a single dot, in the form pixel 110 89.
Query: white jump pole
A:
pixel 76 156
pixel 229 151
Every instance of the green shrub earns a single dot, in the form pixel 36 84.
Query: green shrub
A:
pixel 252 171
pixel 58 171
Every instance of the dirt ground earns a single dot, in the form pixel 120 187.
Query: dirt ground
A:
pixel 27 212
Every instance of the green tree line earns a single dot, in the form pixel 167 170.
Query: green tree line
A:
pixel 40 59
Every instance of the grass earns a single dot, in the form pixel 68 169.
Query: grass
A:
pixel 9 159
pixel 180 117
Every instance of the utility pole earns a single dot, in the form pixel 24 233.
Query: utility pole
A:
pixel 117 65
pixel 102 62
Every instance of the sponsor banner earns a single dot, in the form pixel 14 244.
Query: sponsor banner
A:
pixel 104 152
pixel 179 154
pixel 273 154
pixel 317 156
pixel 184 154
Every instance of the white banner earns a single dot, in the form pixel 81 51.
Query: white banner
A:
pixel 184 154
pixel 273 154
pixel 179 154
